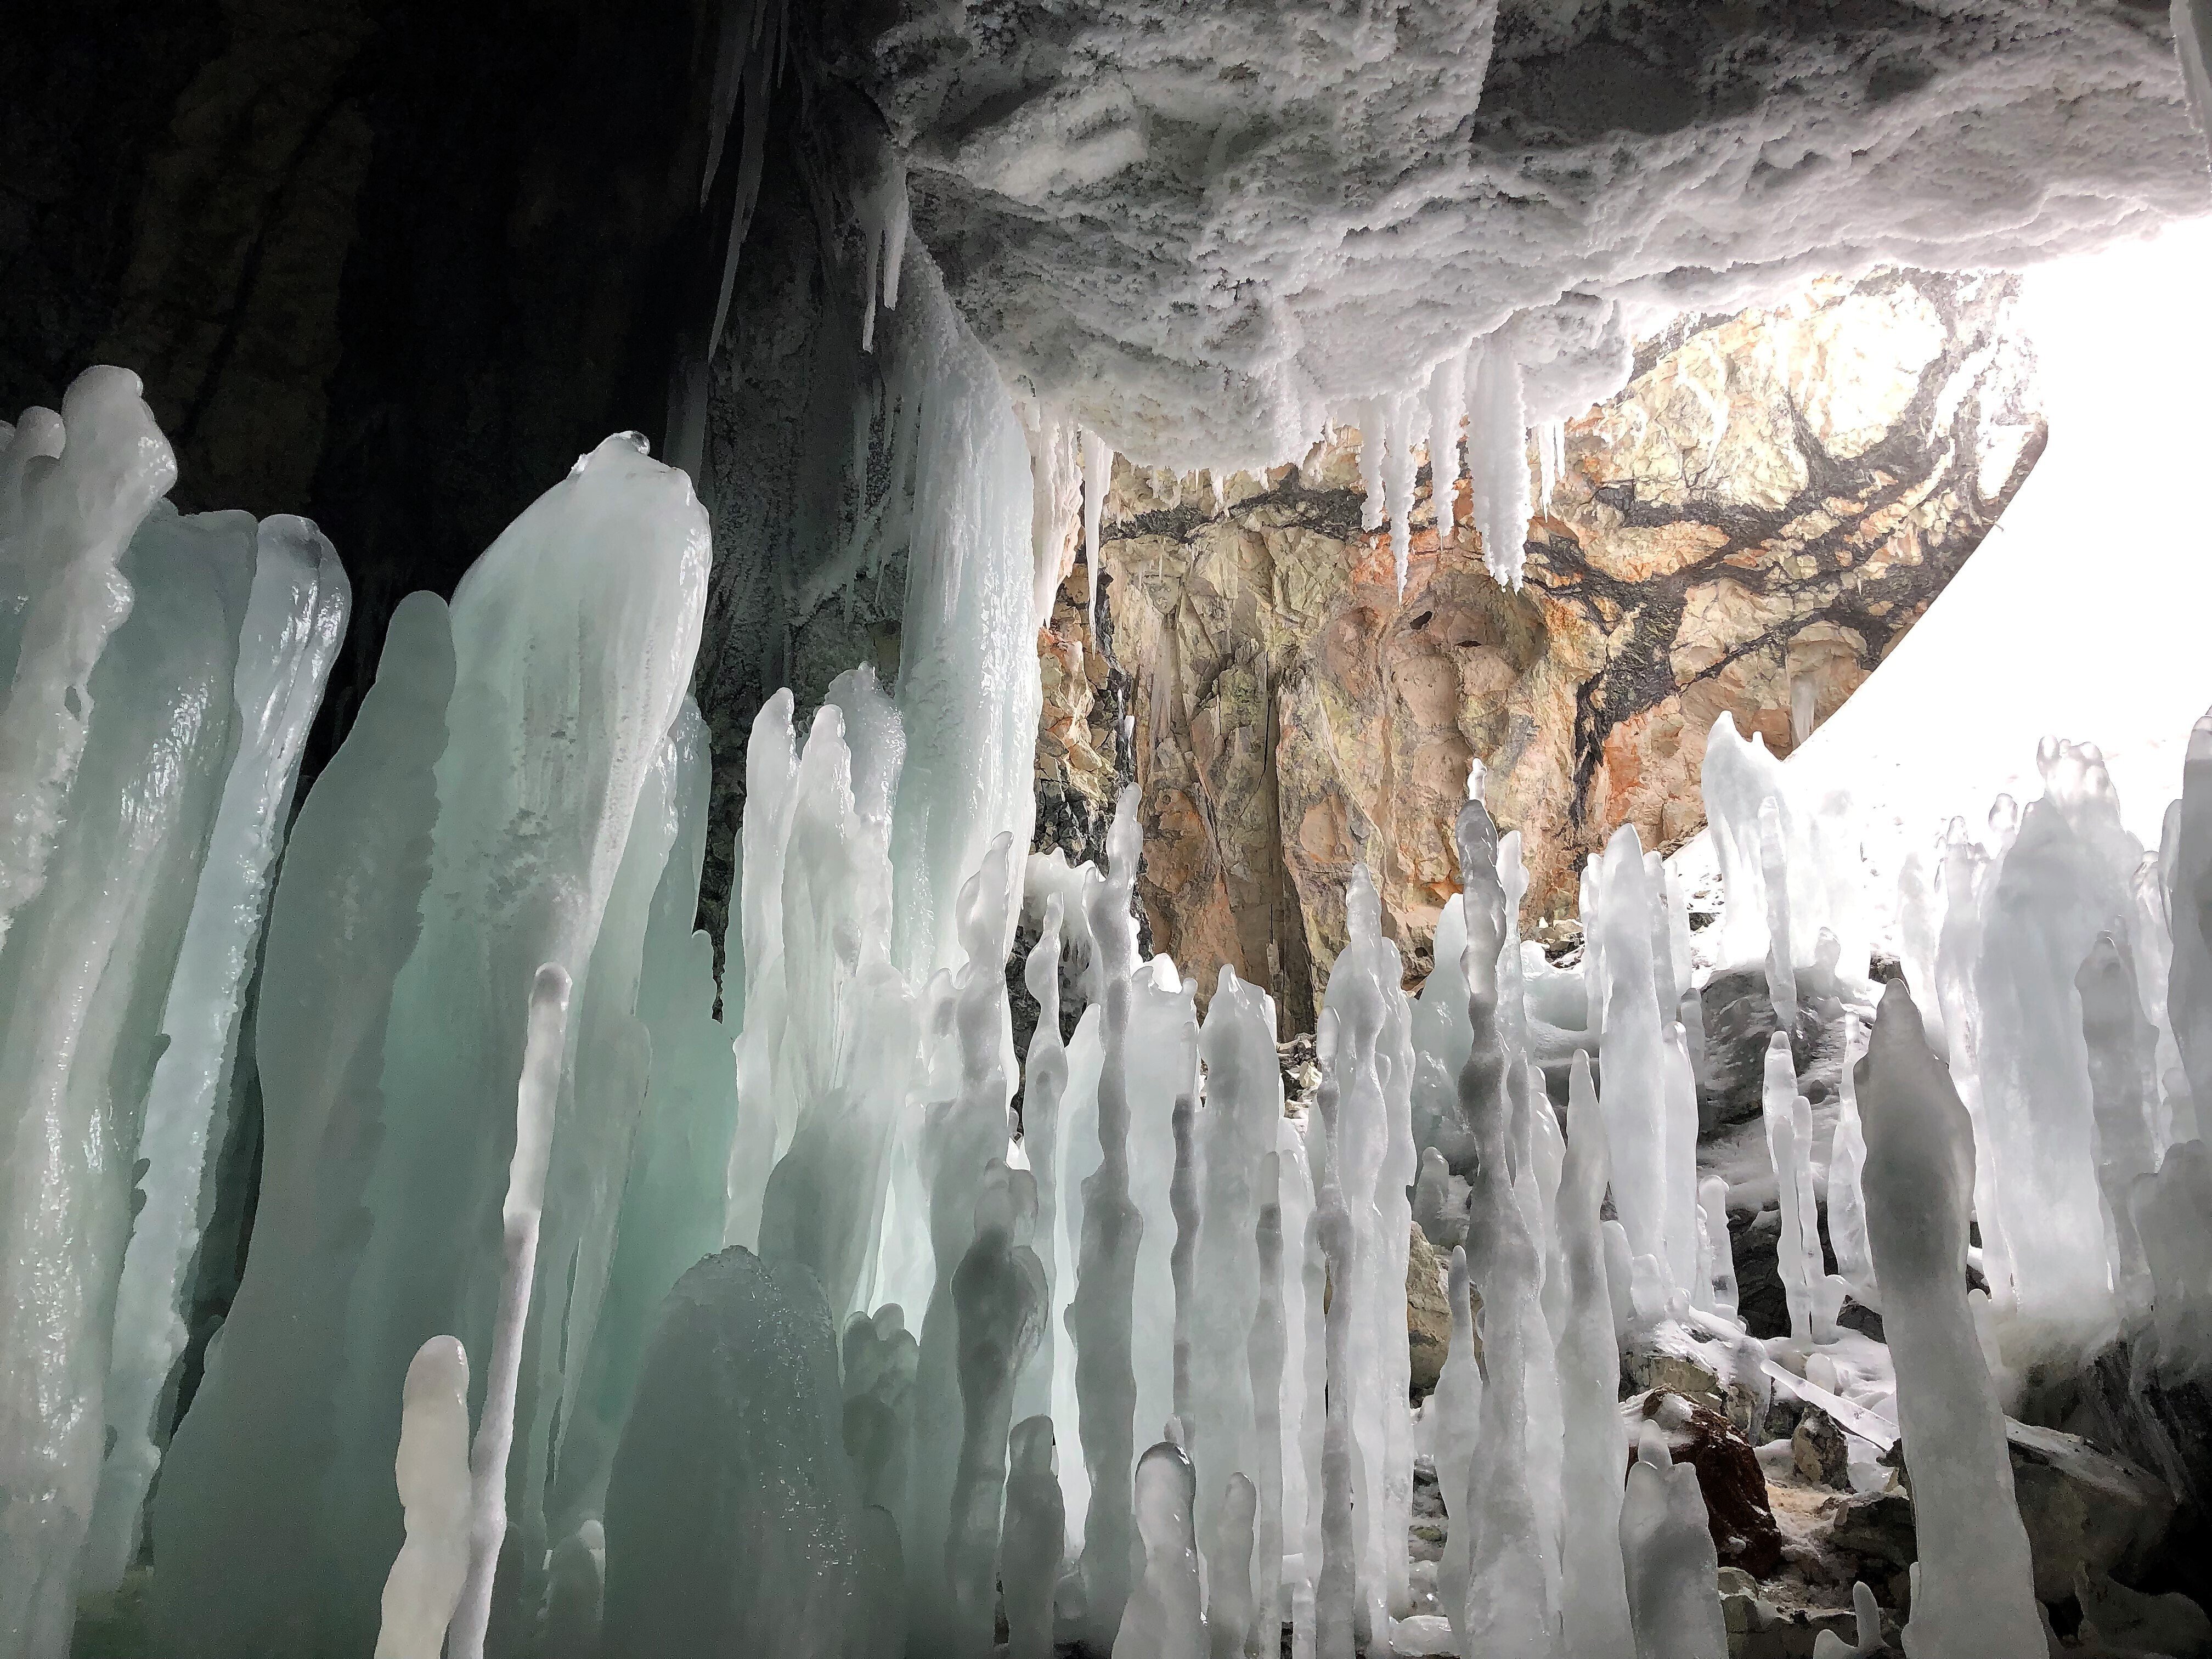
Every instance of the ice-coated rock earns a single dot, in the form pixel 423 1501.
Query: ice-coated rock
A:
pixel 732 1524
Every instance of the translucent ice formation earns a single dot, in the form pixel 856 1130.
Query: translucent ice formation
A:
pixel 1667 1548
pixel 1973 1590
pixel 426 1578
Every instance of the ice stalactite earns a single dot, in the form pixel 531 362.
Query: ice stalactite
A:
pixel 1447 408
pixel 1668 1558
pixel 1973 1590
pixel 295 616
pixel 1593 1602
pixel 521 1219
pixel 1498 458
pixel 1401 417
pixel 1097 478
pixel 424 1586
pixel 2192 42
pixel 1058 492
pixel 732 1523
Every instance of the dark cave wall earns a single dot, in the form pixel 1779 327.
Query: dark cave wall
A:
pixel 390 263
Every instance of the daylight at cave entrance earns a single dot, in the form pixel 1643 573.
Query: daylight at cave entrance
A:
pixel 1165 831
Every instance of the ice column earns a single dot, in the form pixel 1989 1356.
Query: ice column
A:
pixel 433 1468
pixel 295 616
pixel 1973 1590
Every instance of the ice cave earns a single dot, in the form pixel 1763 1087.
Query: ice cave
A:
pixel 1170 829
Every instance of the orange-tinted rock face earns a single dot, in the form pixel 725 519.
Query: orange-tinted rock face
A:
pixel 1756 519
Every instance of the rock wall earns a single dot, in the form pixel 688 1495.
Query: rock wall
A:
pixel 1761 514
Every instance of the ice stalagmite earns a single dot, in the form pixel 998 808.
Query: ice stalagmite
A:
pixel 245 1477
pixel 1632 1055
pixel 1029 1546
pixel 2173 1214
pixel 1371 1154
pixel 732 1525
pixel 1098 1319
pixel 295 615
pixel 881 1358
pixel 433 1467
pixel 2189 984
pixel 1667 1554
pixel 1044 1082
pixel 673 1200
pixel 1230 1613
pixel 84 483
pixel 1593 1599
pixel 520 1218
pixel 1846 1161
pixel 2122 1053
pixel 1244 1102
pixel 1264 1351
pixel 2063 882
pixel 1339 1616
pixel 1973 1590
pixel 964 1144
pixel 998 1297
pixel 82 978
pixel 1163 1619
pixel 1789 1119
pixel 1455 1407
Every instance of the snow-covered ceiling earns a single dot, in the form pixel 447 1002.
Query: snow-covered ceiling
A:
pixel 1197 227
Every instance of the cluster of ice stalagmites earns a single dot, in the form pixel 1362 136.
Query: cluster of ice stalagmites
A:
pixel 790 1332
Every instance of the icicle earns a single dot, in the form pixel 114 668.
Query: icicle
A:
pixel 1399 470
pixel 1372 417
pixel 1973 1590
pixel 1098 478
pixel 520 1218
pixel 1447 402
pixel 1498 459
pixel 433 1468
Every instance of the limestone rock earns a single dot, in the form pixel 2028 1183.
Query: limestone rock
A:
pixel 1736 521
pixel 2086 1510
pixel 1428 1316
pixel 1818 1448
